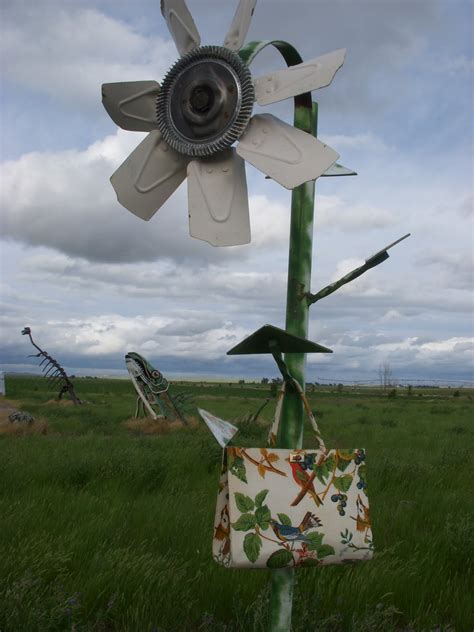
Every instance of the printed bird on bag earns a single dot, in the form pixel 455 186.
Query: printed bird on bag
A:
pixel 363 515
pixel 305 481
pixel 222 531
pixel 287 533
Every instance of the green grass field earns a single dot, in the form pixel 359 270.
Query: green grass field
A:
pixel 103 529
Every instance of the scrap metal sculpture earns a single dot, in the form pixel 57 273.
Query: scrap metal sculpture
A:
pixel 153 390
pixel 201 109
pixel 53 371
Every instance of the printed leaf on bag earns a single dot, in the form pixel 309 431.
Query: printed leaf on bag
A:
pixel 315 541
pixel 316 544
pixel 345 455
pixel 330 462
pixel 321 473
pixel 325 550
pixel 237 468
pixel 284 519
pixel 325 469
pixel 252 546
pixel 244 523
pixel 272 457
pixel 346 536
pixel 263 517
pixel 343 465
pixel 343 483
pixel 244 503
pixel 261 470
pixel 361 471
pixel 278 559
pixel 260 497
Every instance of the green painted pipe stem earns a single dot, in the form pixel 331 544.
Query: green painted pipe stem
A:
pixel 290 433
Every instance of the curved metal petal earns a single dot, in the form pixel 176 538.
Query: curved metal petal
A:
pixel 218 200
pixel 132 104
pixel 311 75
pixel 240 24
pixel 286 154
pixel 148 177
pixel 181 25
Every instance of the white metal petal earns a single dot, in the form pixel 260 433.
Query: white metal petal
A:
pixel 286 154
pixel 132 104
pixel 240 24
pixel 310 75
pixel 148 177
pixel 181 25
pixel 218 200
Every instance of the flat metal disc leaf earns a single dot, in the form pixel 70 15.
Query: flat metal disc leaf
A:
pixel 132 104
pixel 339 170
pixel 181 25
pixel 218 200
pixel 259 342
pixel 148 177
pixel 240 25
pixel 310 75
pixel 286 154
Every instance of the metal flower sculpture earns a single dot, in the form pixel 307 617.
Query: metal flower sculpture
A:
pixel 201 109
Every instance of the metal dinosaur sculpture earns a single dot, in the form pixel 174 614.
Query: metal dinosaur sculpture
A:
pixel 53 371
pixel 153 390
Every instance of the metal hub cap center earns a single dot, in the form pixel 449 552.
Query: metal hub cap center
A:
pixel 205 101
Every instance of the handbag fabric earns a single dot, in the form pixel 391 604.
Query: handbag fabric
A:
pixel 279 507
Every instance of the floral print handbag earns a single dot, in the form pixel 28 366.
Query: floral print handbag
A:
pixel 279 507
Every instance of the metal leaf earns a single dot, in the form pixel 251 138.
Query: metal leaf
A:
pixel 222 430
pixel 338 170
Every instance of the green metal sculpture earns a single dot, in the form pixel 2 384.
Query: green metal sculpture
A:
pixel 153 391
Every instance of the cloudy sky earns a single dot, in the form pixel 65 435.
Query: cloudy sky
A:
pixel 93 281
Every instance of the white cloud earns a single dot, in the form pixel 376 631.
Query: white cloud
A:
pixel 460 64
pixel 67 51
pixel 114 334
pixel 64 200
pixel 367 141
pixel 163 279
pixel 334 212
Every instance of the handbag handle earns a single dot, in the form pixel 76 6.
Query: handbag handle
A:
pixel 276 421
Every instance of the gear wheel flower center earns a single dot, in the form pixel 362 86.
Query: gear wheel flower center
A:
pixel 205 101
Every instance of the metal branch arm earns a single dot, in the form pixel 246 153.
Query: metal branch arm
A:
pixel 370 263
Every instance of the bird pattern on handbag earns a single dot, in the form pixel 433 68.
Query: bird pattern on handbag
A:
pixel 287 533
pixel 303 479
